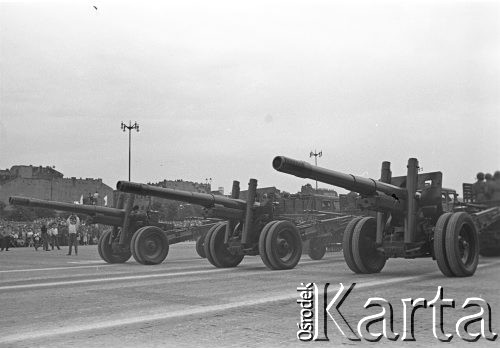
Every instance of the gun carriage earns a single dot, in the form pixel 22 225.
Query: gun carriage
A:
pixel 134 233
pixel 251 227
pixel 410 221
pixel 322 232
pixel 486 216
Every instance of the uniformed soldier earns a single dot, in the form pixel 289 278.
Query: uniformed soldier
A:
pixel 495 194
pixel 45 237
pixel 5 238
pixel 490 186
pixel 479 189
pixel 73 229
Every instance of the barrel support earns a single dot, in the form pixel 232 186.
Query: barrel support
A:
pixel 248 225
pixel 235 193
pixel 411 188
pixel 385 176
pixel 129 204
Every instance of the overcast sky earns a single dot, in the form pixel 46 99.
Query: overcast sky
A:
pixel 221 87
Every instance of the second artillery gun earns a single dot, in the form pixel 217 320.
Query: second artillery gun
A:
pixel 410 221
pixel 134 233
pixel 250 229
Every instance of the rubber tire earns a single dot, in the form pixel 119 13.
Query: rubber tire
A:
pixel 439 245
pixel 106 251
pixel 133 247
pixel 151 245
pixel 219 255
pixel 206 245
pixel 317 249
pixel 100 247
pixel 457 223
pixel 368 260
pixel 347 245
pixel 199 247
pixel 272 247
pixel 262 244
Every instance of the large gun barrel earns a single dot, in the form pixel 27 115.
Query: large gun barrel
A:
pixel 206 200
pixel 363 186
pixel 91 210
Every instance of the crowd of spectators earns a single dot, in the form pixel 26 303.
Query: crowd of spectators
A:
pixel 28 234
pixel 188 222
pixel 487 187
pixel 56 233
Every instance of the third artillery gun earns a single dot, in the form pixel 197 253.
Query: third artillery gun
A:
pixel 134 233
pixel 250 229
pixel 411 221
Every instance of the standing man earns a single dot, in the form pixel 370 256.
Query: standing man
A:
pixel 490 186
pixel 73 226
pixel 30 237
pixel 45 237
pixel 495 194
pixel 36 239
pixel 479 189
pixel 54 236
pixel 5 238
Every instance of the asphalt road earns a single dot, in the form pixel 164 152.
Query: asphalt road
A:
pixel 49 299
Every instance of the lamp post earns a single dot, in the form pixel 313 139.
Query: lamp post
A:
pixel 316 154
pixel 129 127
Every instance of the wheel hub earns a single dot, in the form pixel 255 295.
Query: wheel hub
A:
pixel 464 246
pixel 151 245
pixel 283 247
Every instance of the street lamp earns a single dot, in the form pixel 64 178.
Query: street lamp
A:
pixel 129 127
pixel 316 154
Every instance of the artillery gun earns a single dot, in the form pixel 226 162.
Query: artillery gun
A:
pixel 323 232
pixel 134 233
pixel 410 221
pixel 486 215
pixel 250 227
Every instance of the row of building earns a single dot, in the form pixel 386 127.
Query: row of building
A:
pixel 49 184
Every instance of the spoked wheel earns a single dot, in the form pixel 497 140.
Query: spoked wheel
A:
pixel 106 250
pixel 200 242
pixel 151 245
pixel 262 244
pixel 364 249
pixel 216 250
pixel 439 245
pixel 317 249
pixel 462 245
pixel 283 245
pixel 347 245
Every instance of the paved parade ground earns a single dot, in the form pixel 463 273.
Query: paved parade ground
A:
pixel 49 299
